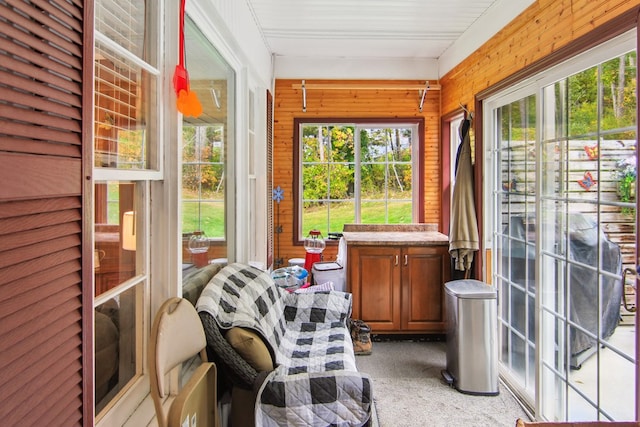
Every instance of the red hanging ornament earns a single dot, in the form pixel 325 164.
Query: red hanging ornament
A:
pixel 187 102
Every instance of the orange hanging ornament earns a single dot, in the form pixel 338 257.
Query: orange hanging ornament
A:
pixel 187 101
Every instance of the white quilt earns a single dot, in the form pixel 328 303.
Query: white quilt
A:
pixel 315 382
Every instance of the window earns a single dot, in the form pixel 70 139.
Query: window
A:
pixel 127 153
pixel 207 145
pixel 357 173
pixel 125 87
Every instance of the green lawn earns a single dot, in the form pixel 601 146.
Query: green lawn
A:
pixel 343 213
pixel 212 217
pixel 212 214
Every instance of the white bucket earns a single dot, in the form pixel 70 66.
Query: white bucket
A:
pixel 324 272
pixel 296 261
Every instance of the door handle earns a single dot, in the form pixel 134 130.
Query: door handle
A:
pixel 406 260
pixel 396 261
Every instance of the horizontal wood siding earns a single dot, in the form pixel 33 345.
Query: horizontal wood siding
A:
pixel 546 33
pixel 41 213
pixel 347 103
pixel 543 28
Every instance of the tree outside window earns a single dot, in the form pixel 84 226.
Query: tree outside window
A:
pixel 203 188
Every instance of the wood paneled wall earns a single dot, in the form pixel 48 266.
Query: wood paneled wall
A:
pixel 540 30
pixel 347 103
pixel 538 38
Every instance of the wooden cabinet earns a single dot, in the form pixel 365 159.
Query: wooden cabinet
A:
pixel 399 288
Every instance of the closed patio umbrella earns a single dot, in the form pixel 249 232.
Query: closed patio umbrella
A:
pixel 463 235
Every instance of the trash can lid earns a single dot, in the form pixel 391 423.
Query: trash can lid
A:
pixel 470 288
pixel 326 266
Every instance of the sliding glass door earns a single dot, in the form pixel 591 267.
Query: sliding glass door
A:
pixel 514 238
pixel 587 228
pixel 563 233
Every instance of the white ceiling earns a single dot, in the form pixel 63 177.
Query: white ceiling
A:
pixel 367 28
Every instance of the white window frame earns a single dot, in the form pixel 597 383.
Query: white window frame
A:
pixel 358 126
pixel 129 398
pixel 535 85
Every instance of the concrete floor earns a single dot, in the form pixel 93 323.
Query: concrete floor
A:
pixel 616 379
pixel 408 390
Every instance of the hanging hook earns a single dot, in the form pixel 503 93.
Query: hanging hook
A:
pixel 468 114
pixel 304 97
pixel 424 94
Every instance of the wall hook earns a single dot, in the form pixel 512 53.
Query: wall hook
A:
pixel 424 94
pixel 304 97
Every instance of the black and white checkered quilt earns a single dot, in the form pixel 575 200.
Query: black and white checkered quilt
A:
pixel 315 382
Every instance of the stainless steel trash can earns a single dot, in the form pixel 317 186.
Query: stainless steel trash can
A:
pixel 472 326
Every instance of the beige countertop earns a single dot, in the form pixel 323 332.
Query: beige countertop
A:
pixel 409 234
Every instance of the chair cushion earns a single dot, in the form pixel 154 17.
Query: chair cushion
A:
pixel 251 348
pixel 194 282
pixel 107 343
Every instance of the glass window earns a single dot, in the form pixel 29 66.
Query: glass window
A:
pixel 125 88
pixel 564 230
pixel 126 150
pixel 123 94
pixel 119 286
pixel 357 173
pixel 588 218
pixel 203 186
pixel 515 239
pixel 207 143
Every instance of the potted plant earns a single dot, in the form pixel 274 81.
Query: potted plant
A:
pixel 626 173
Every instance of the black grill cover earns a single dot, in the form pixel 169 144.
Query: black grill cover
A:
pixel 584 236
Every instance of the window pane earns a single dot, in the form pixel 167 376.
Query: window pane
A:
pixel 207 147
pixel 203 186
pixel 582 102
pixel 618 92
pixel 124 22
pixel 206 216
pixel 124 93
pixel 516 224
pixel 116 222
pixel 115 344
pixel 316 182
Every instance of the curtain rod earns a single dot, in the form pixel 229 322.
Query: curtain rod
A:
pixel 422 89
pixel 343 86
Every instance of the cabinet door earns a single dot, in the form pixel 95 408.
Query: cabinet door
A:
pixel 425 270
pixel 374 275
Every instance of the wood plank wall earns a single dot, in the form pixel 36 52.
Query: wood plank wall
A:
pixel 347 103
pixel 540 30
pixel 536 34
